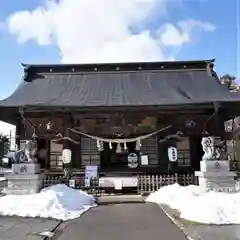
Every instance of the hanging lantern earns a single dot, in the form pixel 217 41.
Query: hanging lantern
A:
pixel 125 146
pixel 100 145
pixel 119 148
pixel 132 160
pixel 172 154
pixel 138 145
pixel 66 156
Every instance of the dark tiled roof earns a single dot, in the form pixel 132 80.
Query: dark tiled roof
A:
pixel 126 84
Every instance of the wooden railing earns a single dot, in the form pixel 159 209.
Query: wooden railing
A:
pixel 58 178
pixel 53 179
pixel 151 183
pixel 146 183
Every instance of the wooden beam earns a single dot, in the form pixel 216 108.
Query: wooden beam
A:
pixel 117 108
pixel 104 115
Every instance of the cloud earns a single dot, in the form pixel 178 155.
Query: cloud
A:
pixel 183 32
pixel 100 30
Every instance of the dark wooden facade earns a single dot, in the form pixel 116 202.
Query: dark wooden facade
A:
pixel 86 152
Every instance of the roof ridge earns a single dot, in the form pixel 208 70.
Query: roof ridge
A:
pixel 119 72
pixel 118 67
pixel 117 63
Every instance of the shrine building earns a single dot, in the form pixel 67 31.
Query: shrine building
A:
pixel 121 117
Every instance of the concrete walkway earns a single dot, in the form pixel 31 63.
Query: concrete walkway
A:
pixel 138 221
pixel 17 228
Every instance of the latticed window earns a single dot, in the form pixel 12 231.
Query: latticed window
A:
pixel 149 147
pixel 184 157
pixel 56 155
pixel 89 152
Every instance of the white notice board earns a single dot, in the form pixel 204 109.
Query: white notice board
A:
pixel 144 160
pixel 90 172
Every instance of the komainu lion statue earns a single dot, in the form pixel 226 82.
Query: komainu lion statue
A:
pixel 27 153
pixel 30 150
pixel 208 148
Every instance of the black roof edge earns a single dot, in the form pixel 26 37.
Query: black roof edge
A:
pixel 110 108
pixel 122 66
pixel 118 63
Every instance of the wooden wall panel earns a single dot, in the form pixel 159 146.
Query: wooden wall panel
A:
pixel 89 152
pixel 149 147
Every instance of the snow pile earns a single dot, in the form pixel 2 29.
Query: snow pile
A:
pixel 58 202
pixel 210 208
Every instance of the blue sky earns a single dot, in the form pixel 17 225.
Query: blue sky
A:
pixel 42 47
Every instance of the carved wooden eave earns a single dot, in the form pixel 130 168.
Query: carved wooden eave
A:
pixel 130 124
pixel 102 116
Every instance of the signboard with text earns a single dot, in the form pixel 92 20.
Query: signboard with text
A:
pixel 132 160
pixel 90 173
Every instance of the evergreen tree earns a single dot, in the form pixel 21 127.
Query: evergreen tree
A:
pixel 230 82
pixel 4 147
pixel 233 126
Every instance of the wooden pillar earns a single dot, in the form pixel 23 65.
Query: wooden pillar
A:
pixel 18 132
pixel 162 155
pixel 196 151
pixel 43 152
pixel 221 125
pixel 74 147
pixel 48 153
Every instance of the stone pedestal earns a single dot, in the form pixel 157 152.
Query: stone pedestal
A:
pixel 214 175
pixel 24 179
pixel 26 168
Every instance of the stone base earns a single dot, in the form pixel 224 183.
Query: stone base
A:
pixel 20 184
pixel 214 166
pixel 224 184
pixel 26 168
pixel 215 176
